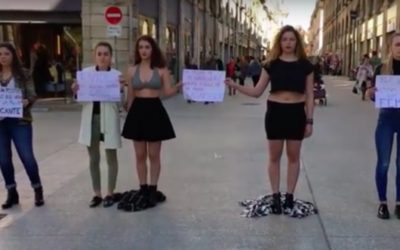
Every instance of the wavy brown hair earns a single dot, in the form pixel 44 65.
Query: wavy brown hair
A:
pixel 387 67
pixel 276 50
pixel 16 66
pixel 157 59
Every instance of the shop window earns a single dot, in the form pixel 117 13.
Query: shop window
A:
pixel 154 31
pixel 145 28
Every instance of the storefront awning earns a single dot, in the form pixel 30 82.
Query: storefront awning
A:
pixel 41 5
pixel 40 17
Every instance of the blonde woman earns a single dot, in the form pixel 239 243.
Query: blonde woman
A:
pixel 388 126
pixel 100 122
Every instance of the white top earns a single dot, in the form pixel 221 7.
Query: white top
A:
pixel 10 85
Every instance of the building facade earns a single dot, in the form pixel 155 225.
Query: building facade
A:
pixel 185 29
pixel 56 24
pixel 191 30
pixel 353 28
pixel 316 29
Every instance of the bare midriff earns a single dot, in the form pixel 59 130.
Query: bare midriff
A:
pixel 148 93
pixel 287 97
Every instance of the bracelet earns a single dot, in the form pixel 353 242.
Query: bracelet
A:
pixel 310 121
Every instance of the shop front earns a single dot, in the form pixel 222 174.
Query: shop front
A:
pixel 47 36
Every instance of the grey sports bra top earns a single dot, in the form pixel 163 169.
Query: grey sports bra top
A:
pixel 153 83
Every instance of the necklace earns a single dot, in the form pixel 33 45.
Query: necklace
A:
pixel 5 82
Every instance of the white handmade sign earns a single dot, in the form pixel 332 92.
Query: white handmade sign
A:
pixel 11 103
pixel 102 86
pixel 387 94
pixel 203 85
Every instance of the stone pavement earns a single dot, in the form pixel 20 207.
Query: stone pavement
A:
pixel 218 159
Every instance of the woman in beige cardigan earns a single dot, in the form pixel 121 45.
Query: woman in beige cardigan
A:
pixel 100 121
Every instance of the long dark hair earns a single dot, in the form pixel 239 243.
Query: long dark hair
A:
pixel 157 57
pixel 277 49
pixel 16 67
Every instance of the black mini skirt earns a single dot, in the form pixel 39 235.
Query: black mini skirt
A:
pixel 285 121
pixel 147 120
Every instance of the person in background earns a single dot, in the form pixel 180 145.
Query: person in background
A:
pixel 254 70
pixel 375 60
pixel 364 73
pixel 387 126
pixel 17 130
pixel 190 64
pixel 230 73
pixel 244 70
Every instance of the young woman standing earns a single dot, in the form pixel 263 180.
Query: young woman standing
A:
pixel 388 126
pixel 290 106
pixel 100 122
pixel 17 130
pixel 147 123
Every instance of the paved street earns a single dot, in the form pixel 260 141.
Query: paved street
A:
pixel 217 160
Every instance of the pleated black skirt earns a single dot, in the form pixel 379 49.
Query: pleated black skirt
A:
pixel 147 120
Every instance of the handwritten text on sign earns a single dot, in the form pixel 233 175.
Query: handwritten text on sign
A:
pixel 388 91
pixel 204 85
pixel 98 86
pixel 11 103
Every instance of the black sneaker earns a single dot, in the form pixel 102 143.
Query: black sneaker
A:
pixel 276 203
pixel 397 211
pixel 108 201
pixel 96 201
pixel 289 202
pixel 383 212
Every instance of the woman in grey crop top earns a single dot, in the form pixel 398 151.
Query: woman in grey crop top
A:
pixel 147 123
pixel 289 116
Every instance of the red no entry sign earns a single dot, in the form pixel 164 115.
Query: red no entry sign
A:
pixel 113 15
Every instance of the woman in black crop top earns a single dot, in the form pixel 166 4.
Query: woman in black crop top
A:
pixel 388 125
pixel 290 105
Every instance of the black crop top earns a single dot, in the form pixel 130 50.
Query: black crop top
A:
pixel 289 76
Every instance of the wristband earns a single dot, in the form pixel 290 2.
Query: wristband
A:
pixel 310 121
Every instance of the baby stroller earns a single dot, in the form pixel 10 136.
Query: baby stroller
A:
pixel 320 93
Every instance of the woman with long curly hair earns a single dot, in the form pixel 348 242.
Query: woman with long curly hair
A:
pixel 147 123
pixel 290 106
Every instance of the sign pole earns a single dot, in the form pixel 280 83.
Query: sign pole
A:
pixel 115 52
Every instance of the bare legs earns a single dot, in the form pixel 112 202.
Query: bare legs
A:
pixel 152 151
pixel 293 149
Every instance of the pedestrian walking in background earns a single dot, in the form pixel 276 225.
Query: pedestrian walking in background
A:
pixel 388 125
pixel 16 130
pixel 364 73
pixel 100 122
pixel 244 70
pixel 147 123
pixel 255 70
pixel 190 64
pixel 288 120
pixel 230 73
